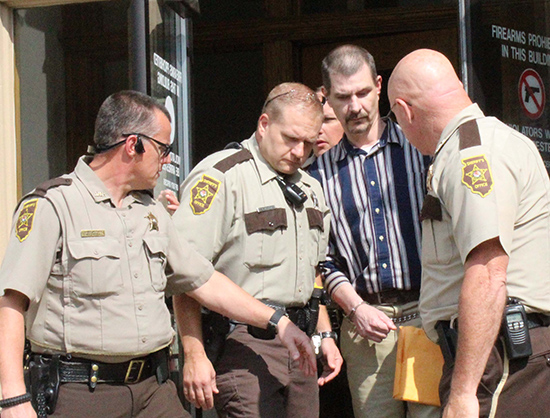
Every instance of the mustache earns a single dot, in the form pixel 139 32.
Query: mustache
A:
pixel 357 115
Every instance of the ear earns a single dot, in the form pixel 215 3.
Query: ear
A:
pixel 130 145
pixel 406 109
pixel 263 123
pixel 378 83
pixel 324 91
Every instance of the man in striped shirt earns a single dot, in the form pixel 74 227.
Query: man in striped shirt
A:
pixel 374 183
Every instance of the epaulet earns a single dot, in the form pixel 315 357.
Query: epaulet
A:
pixel 469 135
pixel 234 159
pixel 43 188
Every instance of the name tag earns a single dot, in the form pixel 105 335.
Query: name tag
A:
pixel 92 233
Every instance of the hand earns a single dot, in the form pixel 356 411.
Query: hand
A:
pixel 372 323
pixel 199 381
pixel 299 345
pixel 332 361
pixel 169 200
pixel 24 410
pixel 462 407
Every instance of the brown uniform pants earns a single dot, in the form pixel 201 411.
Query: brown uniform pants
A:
pixel 139 400
pixel 257 378
pixel 526 391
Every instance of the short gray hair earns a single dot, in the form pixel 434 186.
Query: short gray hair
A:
pixel 126 112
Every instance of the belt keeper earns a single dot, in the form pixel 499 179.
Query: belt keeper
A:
pixel 351 314
pixel 93 376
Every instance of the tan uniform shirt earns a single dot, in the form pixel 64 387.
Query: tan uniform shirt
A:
pixel 238 218
pixel 94 273
pixel 499 188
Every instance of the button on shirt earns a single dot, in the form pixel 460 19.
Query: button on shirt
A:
pixel 250 232
pixel 97 279
pixel 375 198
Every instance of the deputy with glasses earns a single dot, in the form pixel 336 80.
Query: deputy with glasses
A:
pixel 263 222
pixel 90 260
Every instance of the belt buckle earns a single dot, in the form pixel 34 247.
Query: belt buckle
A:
pixel 134 365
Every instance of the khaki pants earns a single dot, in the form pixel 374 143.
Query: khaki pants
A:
pixel 371 370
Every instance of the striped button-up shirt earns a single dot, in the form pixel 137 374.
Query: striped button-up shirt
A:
pixel 375 198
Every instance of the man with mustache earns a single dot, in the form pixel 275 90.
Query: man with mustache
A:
pixel 373 182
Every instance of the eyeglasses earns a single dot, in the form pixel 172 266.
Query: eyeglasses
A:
pixel 166 149
pixel 295 95
pixel 391 115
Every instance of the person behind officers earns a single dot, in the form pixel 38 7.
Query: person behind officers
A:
pixel 331 130
pixel 92 301
pixel 264 223
pixel 486 240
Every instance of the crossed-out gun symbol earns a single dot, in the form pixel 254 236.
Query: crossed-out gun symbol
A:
pixel 530 89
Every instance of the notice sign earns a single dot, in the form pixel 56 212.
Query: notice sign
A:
pixel 508 50
pixel 531 93
pixel 167 66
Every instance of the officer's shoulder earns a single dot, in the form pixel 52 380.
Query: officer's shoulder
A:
pixel 223 161
pixel 42 189
pixel 40 192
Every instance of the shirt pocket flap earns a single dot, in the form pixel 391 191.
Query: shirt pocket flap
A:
pixel 267 220
pixel 94 248
pixel 156 244
pixel 315 218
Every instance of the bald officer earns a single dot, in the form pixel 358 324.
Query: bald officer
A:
pixel 88 265
pixel 486 243
pixel 263 222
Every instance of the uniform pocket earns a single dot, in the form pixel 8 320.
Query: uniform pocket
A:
pixel 94 269
pixel 316 227
pixel 156 248
pixel 264 243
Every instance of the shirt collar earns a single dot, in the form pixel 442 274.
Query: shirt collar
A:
pixel 265 170
pixel 97 188
pixel 389 136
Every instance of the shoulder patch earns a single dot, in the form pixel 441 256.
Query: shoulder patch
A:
pixel 56 182
pixel 476 175
pixel 26 219
pixel 469 135
pixel 203 194
pixel 234 159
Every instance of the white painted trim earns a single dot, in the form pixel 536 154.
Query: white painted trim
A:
pixel 8 138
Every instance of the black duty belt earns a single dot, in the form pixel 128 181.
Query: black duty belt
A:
pixel 535 320
pixel 299 316
pixel 79 370
pixel 391 297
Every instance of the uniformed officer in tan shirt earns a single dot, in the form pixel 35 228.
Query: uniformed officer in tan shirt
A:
pixel 234 212
pixel 90 260
pixel 486 241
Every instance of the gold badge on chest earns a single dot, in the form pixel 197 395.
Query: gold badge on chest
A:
pixel 153 222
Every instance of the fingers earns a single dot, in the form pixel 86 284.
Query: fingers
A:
pixel 308 360
pixel 201 396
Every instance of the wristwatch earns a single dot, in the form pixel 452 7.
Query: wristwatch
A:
pixel 329 334
pixel 274 320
